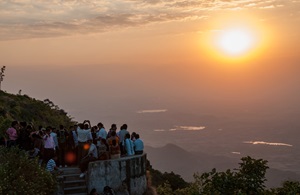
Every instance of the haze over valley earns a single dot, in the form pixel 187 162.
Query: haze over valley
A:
pixel 259 121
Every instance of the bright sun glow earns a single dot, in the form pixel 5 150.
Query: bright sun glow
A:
pixel 235 42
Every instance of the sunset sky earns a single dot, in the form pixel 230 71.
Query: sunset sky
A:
pixel 133 55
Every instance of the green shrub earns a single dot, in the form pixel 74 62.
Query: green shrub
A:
pixel 4 125
pixel 21 175
pixel 25 108
pixel 288 188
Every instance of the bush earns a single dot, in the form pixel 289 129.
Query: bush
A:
pixel 21 175
pixel 4 125
pixel 289 188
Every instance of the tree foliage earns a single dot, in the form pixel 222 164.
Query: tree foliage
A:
pixel 164 180
pixel 248 179
pixel 25 108
pixel 164 189
pixel 251 175
pixel 21 175
pixel 288 188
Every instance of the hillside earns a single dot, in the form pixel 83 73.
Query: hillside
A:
pixel 25 108
pixel 173 158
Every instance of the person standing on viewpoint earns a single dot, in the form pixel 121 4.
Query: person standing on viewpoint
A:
pixel 49 145
pixel 122 134
pixel 92 155
pixel 113 128
pixel 83 135
pixel 62 136
pixel 102 132
pixel 138 145
pixel 12 134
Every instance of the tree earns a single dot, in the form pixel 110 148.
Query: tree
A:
pixel 173 180
pixel 251 175
pixel 249 178
pixel 24 108
pixel 288 188
pixel 164 189
pixel 21 175
pixel 2 75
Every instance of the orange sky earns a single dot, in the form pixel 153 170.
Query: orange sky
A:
pixel 131 32
pixel 147 49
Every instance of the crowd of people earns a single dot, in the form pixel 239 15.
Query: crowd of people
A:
pixel 75 145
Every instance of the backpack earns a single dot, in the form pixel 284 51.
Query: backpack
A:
pixel 94 136
pixel 70 138
pixel 62 137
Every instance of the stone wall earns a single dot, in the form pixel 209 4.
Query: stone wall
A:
pixel 119 174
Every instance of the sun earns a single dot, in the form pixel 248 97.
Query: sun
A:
pixel 230 40
pixel 235 42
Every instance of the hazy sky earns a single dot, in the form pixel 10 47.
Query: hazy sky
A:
pixel 134 55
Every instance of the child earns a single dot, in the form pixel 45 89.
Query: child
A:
pixel 51 166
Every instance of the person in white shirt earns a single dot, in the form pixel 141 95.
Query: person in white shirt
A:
pixel 83 135
pixel 91 156
pixel 49 145
pixel 54 135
